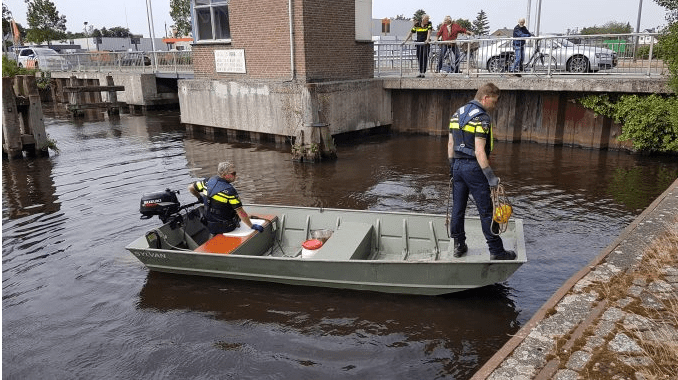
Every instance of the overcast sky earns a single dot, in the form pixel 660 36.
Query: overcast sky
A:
pixel 556 16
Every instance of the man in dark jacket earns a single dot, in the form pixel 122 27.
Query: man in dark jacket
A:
pixel 519 45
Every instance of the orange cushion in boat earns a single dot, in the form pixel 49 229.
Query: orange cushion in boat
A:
pixel 226 244
pixel 221 244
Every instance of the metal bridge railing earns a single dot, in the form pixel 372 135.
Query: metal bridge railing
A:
pixel 612 54
pixel 138 62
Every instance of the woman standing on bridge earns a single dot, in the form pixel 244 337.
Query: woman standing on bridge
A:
pixel 423 34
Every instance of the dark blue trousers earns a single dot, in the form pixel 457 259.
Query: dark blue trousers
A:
pixel 469 179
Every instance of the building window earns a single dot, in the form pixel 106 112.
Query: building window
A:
pixel 386 25
pixel 211 20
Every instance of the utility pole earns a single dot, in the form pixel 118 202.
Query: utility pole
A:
pixel 151 30
pixel 538 17
pixel 635 45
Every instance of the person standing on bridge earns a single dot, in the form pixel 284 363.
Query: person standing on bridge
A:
pixel 422 30
pixel 468 151
pixel 223 210
pixel 519 45
pixel 449 32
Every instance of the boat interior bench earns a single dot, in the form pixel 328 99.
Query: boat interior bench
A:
pixel 351 241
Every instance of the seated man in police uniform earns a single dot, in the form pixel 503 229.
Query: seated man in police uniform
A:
pixel 223 210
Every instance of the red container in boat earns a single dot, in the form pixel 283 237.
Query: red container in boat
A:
pixel 310 247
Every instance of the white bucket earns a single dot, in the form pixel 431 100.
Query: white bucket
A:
pixel 310 247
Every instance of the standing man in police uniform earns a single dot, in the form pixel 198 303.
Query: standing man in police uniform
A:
pixel 468 150
pixel 223 209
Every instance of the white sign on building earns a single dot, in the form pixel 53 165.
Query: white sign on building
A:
pixel 230 61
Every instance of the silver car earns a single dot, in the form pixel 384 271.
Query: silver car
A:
pixel 558 54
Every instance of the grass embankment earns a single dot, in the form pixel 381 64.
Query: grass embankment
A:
pixel 658 335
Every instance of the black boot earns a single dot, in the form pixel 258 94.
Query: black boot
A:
pixel 506 255
pixel 460 249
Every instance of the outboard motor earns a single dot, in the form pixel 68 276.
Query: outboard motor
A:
pixel 163 204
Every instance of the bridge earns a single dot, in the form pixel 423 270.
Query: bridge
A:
pixel 600 56
pixel 540 105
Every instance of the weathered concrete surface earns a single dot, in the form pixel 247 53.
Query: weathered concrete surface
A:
pixel 283 108
pixel 545 117
pixel 141 89
pixel 623 84
pixel 576 308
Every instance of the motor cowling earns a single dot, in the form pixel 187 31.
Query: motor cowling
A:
pixel 162 204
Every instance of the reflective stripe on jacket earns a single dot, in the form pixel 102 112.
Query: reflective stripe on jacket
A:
pixel 422 31
pixel 220 197
pixel 469 122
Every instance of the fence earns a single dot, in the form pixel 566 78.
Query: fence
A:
pixel 140 62
pixel 613 54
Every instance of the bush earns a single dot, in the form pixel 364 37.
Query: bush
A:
pixel 11 69
pixel 651 122
pixel 644 52
pixel 668 42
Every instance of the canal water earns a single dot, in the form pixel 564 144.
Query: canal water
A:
pixel 77 305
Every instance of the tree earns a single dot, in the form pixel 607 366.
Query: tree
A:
pixel 118 31
pixel 419 14
pixel 401 17
pixel 464 23
pixel 481 26
pixel 6 20
pixel 44 21
pixel 610 27
pixel 672 7
pixel 180 11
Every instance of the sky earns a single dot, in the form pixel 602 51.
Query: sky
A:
pixel 557 16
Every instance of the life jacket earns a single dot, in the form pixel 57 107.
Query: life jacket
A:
pixel 464 125
pixel 220 202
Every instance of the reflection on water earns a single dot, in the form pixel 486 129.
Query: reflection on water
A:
pixel 76 304
pixel 350 332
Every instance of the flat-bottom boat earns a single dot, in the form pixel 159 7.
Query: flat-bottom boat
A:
pixel 392 252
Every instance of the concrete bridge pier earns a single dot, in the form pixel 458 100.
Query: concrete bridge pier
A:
pixel 313 142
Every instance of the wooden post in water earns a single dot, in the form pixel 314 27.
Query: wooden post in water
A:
pixel 11 129
pixel 74 97
pixel 36 124
pixel 112 97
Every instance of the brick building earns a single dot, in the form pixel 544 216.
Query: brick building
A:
pixel 326 44
pixel 283 68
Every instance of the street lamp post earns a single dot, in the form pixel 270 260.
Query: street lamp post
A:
pixel 86 35
pixel 151 30
pixel 538 17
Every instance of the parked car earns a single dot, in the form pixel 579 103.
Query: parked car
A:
pixel 134 59
pixel 42 58
pixel 563 54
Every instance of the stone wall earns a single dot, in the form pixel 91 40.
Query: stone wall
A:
pixel 283 108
